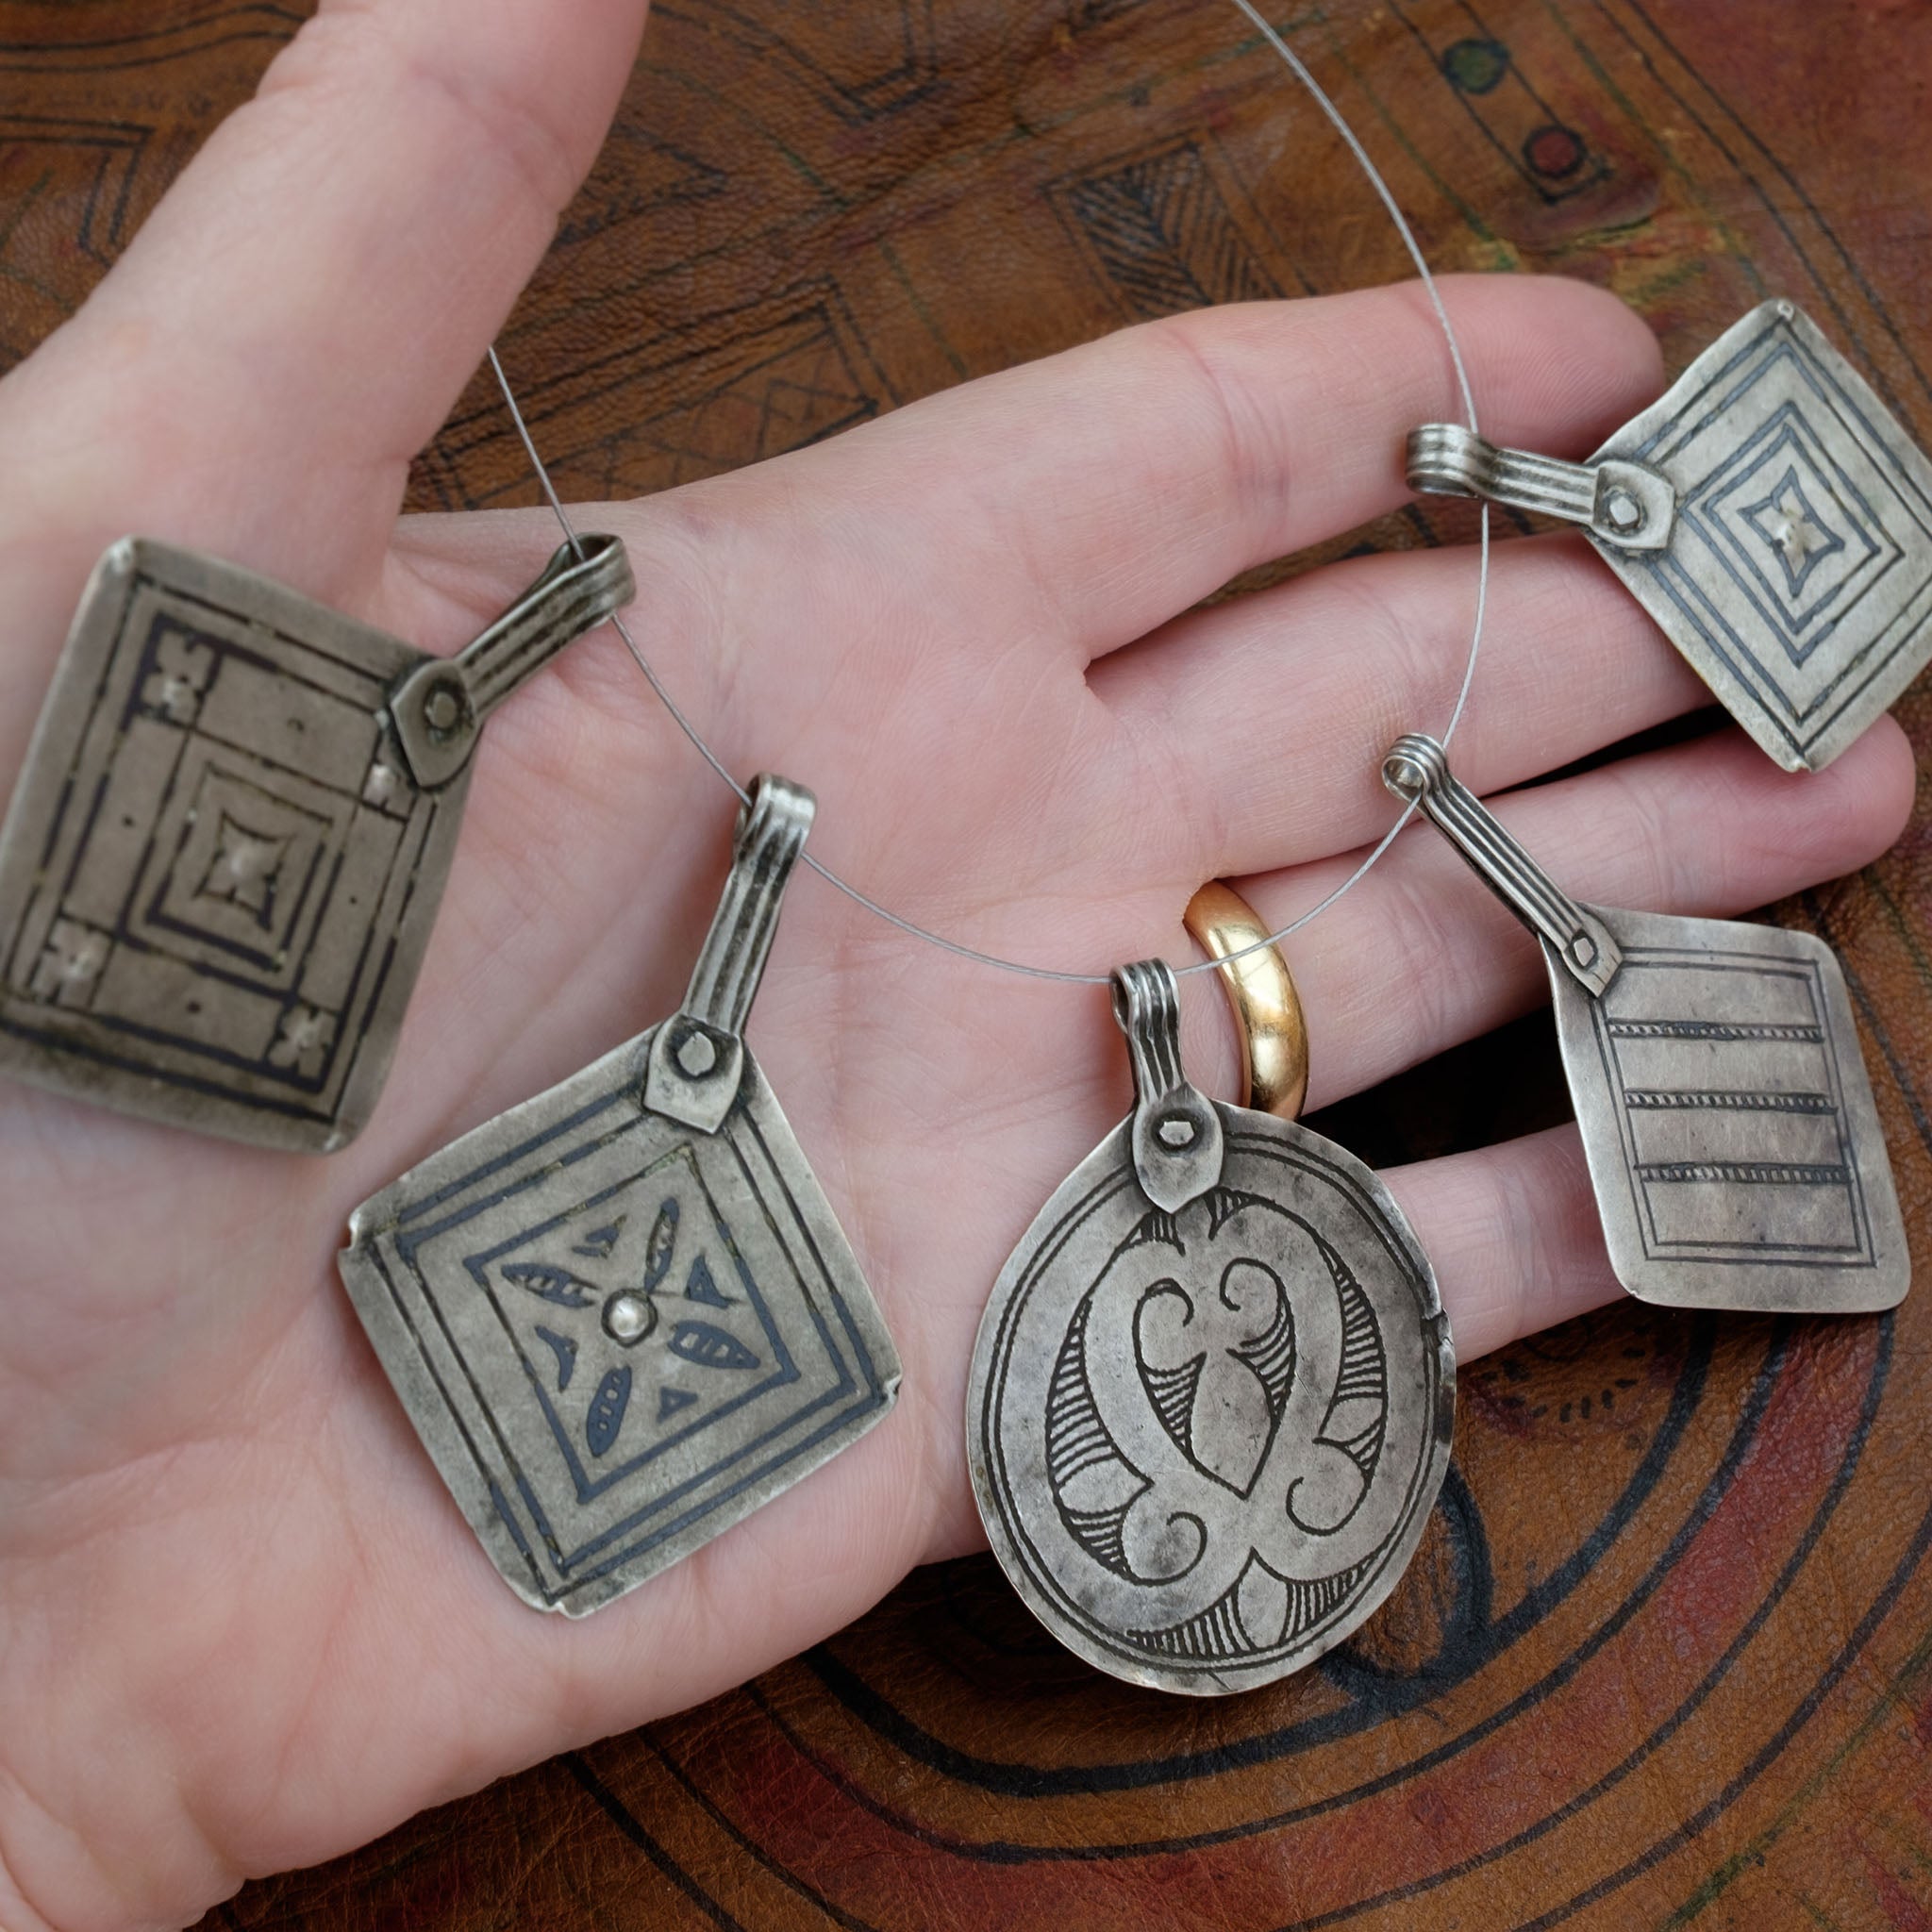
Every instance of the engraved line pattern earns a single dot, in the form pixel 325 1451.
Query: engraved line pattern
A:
pixel 1747 1173
pixel 1741 1100
pixel 1218 1633
pixel 1364 1377
pixel 1782 526
pixel 1827 482
pixel 1027 1839
pixel 1075 1437
pixel 1076 1441
pixel 1711 1030
pixel 1213 1300
pixel 620 1522
pixel 1776 1129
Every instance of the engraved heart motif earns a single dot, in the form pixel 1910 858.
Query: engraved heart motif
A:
pixel 1217 1358
pixel 1220 1391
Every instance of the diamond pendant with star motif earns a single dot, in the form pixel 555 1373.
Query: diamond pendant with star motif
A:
pixel 223 860
pixel 622 1315
pixel 1767 511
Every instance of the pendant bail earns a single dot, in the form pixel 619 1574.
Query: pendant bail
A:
pixel 1621 502
pixel 1177 1134
pixel 1417 772
pixel 439 706
pixel 697 1055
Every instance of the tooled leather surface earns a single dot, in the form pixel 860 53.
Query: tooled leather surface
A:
pixel 1666 1658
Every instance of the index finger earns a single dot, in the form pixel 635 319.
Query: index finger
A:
pixel 1077 503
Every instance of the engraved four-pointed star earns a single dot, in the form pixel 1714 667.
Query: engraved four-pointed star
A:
pixel 246 868
pixel 1792 530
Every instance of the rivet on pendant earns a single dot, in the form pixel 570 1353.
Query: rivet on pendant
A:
pixel 697 1054
pixel 1177 1131
pixel 1623 511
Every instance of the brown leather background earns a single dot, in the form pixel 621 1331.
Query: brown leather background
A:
pixel 1667 1657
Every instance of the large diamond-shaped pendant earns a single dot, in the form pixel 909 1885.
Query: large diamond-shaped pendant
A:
pixel 223 860
pixel 622 1315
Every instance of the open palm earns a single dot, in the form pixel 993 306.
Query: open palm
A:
pixel 241 1625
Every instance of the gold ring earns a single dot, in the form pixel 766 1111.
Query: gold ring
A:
pixel 1260 994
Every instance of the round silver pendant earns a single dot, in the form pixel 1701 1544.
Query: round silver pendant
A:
pixel 1205 1434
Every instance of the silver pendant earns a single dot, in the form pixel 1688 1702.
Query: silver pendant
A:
pixel 225 855
pixel 1213 1394
pixel 622 1315
pixel 1768 513
pixel 1733 1142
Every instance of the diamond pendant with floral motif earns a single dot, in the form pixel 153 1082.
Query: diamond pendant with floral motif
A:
pixel 622 1315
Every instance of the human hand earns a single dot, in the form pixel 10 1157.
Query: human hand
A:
pixel 241 1625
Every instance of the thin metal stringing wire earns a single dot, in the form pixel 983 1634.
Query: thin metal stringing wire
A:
pixel 961 950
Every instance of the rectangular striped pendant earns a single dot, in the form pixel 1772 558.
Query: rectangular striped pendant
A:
pixel 1733 1140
